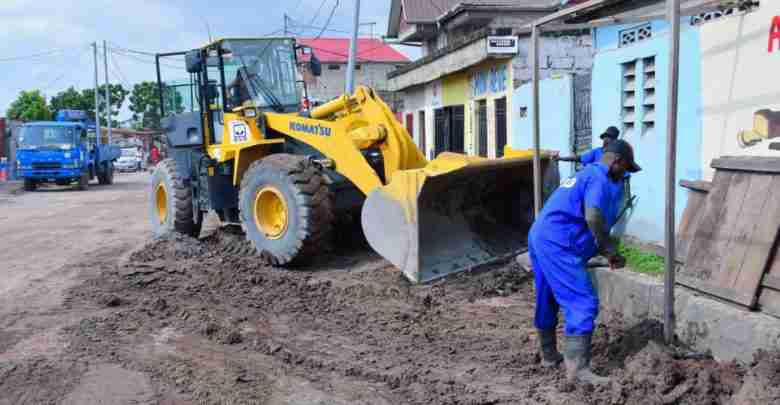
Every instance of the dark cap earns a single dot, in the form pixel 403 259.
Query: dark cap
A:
pixel 611 133
pixel 625 151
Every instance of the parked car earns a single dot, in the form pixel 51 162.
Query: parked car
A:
pixel 129 160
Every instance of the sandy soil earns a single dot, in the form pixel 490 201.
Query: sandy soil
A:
pixel 184 321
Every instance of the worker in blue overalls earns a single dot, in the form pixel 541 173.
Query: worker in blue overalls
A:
pixel 594 155
pixel 573 227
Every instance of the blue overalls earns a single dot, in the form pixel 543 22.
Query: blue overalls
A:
pixel 560 245
pixel 592 156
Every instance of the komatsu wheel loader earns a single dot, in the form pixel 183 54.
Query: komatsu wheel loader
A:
pixel 239 146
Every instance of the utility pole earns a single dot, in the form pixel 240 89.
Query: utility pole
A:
pixel 97 96
pixel 537 167
pixel 353 50
pixel 673 13
pixel 285 24
pixel 108 90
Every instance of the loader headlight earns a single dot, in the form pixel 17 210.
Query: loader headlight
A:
pixel 250 113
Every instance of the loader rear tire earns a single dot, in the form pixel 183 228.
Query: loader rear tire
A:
pixel 286 209
pixel 170 202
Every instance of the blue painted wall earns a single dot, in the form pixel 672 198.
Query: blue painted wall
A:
pixel 555 118
pixel 646 222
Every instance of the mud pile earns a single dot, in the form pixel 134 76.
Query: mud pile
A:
pixel 220 326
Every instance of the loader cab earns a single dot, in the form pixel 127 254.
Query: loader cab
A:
pixel 244 76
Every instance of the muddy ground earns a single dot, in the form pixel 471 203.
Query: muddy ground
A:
pixel 185 321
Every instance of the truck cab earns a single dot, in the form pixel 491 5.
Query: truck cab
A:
pixel 63 152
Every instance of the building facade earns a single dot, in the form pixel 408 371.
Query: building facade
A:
pixel 375 60
pixel 728 105
pixel 459 96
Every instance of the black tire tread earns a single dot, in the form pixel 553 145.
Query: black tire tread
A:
pixel 315 200
pixel 183 221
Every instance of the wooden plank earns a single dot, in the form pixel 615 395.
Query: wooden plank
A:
pixel 728 294
pixel 733 272
pixel 701 246
pixel 761 243
pixel 717 237
pixel 769 301
pixel 694 211
pixel 748 163
pixel 697 185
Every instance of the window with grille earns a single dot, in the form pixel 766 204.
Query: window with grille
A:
pixel 636 34
pixel 628 109
pixel 742 8
pixel 648 95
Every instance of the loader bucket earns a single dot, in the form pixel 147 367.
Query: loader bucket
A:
pixel 455 214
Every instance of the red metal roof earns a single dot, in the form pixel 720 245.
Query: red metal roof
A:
pixel 336 50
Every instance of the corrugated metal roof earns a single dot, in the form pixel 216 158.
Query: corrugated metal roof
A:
pixel 336 50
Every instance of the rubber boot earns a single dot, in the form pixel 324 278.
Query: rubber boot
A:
pixel 548 348
pixel 577 359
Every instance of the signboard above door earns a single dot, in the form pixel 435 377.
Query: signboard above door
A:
pixel 502 45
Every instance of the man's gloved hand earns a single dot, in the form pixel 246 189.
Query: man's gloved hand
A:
pixel 616 261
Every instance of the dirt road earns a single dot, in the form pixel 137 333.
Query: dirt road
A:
pixel 92 317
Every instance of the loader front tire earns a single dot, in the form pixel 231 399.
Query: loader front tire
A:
pixel 286 209
pixel 170 202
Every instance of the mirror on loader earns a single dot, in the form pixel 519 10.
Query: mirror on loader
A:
pixel 193 61
pixel 315 66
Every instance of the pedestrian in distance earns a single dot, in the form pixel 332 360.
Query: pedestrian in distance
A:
pixel 573 227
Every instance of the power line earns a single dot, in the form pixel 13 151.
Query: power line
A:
pixel 330 17
pixel 36 55
pixel 317 13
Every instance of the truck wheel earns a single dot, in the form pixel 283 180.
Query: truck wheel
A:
pixel 107 174
pixel 170 202
pixel 83 183
pixel 286 209
pixel 30 185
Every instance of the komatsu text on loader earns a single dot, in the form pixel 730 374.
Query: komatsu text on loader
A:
pixel 240 147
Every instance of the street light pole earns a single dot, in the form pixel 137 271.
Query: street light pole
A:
pixel 97 95
pixel 350 85
pixel 108 90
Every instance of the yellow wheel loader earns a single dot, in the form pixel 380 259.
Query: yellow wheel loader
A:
pixel 239 146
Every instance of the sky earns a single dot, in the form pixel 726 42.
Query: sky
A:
pixel 60 33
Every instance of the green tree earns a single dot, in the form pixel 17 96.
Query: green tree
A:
pixel 29 106
pixel 72 99
pixel 145 105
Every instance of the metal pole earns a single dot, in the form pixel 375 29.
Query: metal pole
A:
pixel 350 87
pixel 285 24
pixel 97 95
pixel 535 108
pixel 108 90
pixel 673 13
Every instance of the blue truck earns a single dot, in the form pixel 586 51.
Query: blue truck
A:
pixel 64 151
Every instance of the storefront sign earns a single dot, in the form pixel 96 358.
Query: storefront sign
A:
pixel 503 45
pixel 491 80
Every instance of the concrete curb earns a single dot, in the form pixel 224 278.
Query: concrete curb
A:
pixel 726 331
